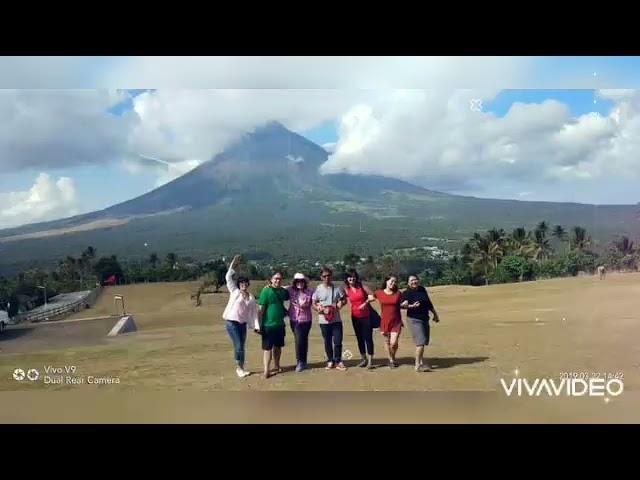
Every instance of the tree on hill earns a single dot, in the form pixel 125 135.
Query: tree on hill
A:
pixel 540 247
pixel 580 240
pixel 543 228
pixel 106 267
pixel 559 233
pixel 351 259
pixel 171 259
pixel 624 245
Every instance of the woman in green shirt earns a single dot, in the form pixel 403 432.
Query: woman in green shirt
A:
pixel 272 327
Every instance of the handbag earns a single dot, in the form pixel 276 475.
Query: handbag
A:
pixel 374 318
pixel 329 311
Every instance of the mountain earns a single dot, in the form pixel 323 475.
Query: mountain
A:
pixel 264 195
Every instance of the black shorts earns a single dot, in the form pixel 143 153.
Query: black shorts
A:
pixel 273 337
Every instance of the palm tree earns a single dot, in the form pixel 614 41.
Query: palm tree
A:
pixel 172 258
pixel 559 232
pixel 539 246
pixel 496 251
pixel 543 228
pixel 624 245
pixel 482 254
pixel 518 242
pixel 467 252
pixel 90 252
pixel 579 240
pixel 497 236
pixel 153 259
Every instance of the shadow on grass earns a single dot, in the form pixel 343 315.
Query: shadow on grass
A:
pixel 436 363
pixel 439 363
pixel 14 333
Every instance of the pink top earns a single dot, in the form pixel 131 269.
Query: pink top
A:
pixel 299 304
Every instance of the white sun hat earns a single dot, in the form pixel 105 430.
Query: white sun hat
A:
pixel 299 276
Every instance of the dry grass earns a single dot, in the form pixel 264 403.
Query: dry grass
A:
pixel 485 333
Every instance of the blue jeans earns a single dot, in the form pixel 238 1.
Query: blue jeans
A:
pixel 238 333
pixel 332 334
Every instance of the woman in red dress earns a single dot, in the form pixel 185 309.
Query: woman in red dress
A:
pixel 391 324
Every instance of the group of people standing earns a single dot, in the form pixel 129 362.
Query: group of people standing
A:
pixel 267 315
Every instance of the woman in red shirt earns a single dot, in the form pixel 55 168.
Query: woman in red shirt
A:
pixel 360 297
pixel 391 324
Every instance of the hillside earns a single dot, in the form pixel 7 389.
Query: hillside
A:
pixel 264 195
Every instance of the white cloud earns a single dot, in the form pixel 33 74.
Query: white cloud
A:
pixel 427 136
pixel 43 129
pixel 198 124
pixel 47 199
pixel 330 147
pixel 436 138
pixel 162 170
pixel 319 72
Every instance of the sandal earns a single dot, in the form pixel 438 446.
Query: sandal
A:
pixel 329 366
pixel 340 366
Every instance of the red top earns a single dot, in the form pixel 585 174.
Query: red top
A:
pixel 391 318
pixel 357 296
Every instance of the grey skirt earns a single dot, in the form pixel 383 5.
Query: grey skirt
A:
pixel 419 331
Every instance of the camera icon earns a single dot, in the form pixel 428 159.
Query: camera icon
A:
pixel 33 374
pixel 18 374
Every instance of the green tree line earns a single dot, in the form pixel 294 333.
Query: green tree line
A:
pixel 494 256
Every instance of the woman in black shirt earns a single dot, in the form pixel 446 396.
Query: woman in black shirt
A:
pixel 416 301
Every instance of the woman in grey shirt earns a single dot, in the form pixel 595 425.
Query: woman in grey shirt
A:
pixel 328 299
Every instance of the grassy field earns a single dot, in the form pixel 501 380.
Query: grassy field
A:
pixel 540 328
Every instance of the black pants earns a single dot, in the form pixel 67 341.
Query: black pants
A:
pixel 301 334
pixel 332 334
pixel 364 334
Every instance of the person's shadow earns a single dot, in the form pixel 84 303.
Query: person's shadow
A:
pixel 435 363
pixel 12 333
pixel 440 363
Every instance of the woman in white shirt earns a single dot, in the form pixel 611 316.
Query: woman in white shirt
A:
pixel 241 309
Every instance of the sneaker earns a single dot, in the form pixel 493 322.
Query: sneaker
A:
pixel 329 366
pixel 242 373
pixel 392 364
pixel 363 363
pixel 340 366
pixel 299 367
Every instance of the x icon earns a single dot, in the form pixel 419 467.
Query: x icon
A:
pixel 475 104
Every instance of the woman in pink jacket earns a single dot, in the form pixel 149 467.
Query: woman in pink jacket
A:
pixel 300 317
